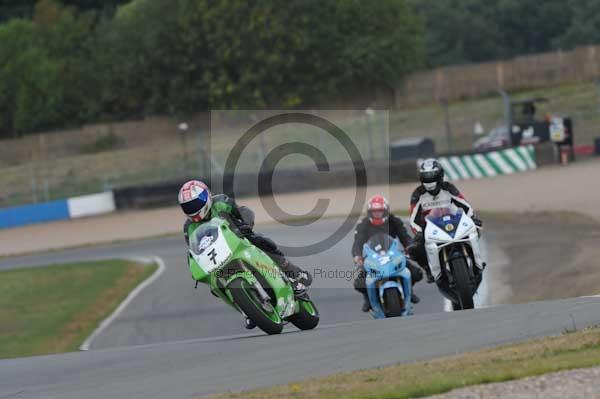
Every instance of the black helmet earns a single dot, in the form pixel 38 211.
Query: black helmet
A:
pixel 431 175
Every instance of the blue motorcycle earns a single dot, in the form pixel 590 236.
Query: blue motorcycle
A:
pixel 388 280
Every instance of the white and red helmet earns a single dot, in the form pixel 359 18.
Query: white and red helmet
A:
pixel 195 200
pixel 378 210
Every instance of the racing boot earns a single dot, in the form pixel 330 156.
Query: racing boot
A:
pixel 366 303
pixel 430 278
pixel 414 298
pixel 299 278
pixel 249 324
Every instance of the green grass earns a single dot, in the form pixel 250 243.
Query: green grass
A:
pixel 580 101
pixel 53 309
pixel 568 351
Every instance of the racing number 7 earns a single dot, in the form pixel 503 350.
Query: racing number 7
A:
pixel 213 256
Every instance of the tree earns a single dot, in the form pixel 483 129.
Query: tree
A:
pixel 44 78
pixel 182 56
pixel 25 8
pixel 584 28
pixel 461 31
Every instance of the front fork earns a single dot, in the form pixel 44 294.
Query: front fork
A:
pixel 434 256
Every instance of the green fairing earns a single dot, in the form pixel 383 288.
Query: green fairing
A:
pixel 249 263
pixel 221 203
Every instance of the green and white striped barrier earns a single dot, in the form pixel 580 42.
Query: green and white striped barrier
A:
pixel 490 164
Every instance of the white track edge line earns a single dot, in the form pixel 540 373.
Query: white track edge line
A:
pixel 106 322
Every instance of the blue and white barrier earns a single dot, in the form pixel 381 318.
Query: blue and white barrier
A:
pixel 70 208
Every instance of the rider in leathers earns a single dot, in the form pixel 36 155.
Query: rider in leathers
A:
pixel 379 220
pixel 433 193
pixel 200 206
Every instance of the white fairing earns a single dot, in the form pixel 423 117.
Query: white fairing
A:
pixel 436 238
pixel 214 255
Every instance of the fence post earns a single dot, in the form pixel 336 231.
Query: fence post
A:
pixel 447 124
pixel 507 111
pixel 34 197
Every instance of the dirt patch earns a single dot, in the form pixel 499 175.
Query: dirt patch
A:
pixel 551 255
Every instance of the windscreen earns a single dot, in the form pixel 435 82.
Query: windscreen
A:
pixel 202 238
pixel 381 242
pixel 446 218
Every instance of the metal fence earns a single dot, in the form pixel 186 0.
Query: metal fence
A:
pixel 43 167
pixel 55 165
pixel 531 71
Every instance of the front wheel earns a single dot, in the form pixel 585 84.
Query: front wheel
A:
pixel 307 317
pixel 393 302
pixel 460 270
pixel 265 316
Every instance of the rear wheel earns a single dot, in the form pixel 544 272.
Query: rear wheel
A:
pixel 307 317
pixel 460 270
pixel 393 302
pixel 265 316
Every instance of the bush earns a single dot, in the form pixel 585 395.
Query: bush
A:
pixel 106 142
pixel 177 57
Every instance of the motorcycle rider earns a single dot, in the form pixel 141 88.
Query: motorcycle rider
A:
pixel 433 193
pixel 379 220
pixel 199 205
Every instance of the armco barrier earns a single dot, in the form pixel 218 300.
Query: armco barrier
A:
pixel 286 181
pixel 460 166
pixel 86 205
pixel 489 164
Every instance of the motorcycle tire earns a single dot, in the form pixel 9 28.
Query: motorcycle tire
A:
pixel 460 271
pixel 394 305
pixel 268 321
pixel 307 317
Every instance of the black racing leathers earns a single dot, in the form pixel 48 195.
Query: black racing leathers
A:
pixel 365 230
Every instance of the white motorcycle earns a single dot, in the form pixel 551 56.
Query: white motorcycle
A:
pixel 454 255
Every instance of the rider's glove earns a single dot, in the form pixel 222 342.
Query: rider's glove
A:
pixel 419 238
pixel 358 260
pixel 245 229
pixel 477 221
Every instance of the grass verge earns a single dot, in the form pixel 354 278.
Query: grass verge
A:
pixel 53 309
pixel 568 351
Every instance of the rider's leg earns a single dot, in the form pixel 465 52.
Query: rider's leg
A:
pixel 418 254
pixel 416 276
pixel 293 272
pixel 360 286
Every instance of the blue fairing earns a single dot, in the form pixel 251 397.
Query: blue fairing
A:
pixel 387 265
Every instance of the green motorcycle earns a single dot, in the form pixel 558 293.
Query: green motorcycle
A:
pixel 246 278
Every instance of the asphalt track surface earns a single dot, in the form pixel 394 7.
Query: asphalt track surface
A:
pixel 176 342
pixel 171 309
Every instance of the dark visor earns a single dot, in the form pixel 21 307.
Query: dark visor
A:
pixel 192 207
pixel 430 177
